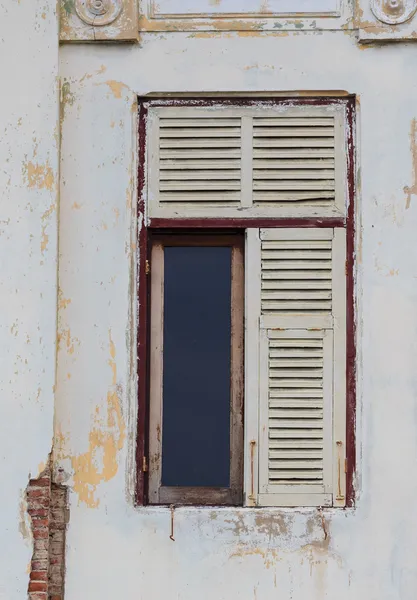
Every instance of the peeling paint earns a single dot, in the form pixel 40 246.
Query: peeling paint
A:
pixel 116 87
pixel 106 439
pixel 412 190
pixel 39 176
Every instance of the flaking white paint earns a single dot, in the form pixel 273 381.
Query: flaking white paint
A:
pixel 28 265
pixel 117 550
pixel 114 549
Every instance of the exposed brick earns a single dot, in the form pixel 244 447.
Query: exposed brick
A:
pixel 38 586
pixel 40 482
pixel 47 507
pixel 39 575
pixel 38 512
pixel 40 565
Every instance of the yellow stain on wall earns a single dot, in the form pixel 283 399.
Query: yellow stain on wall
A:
pixel 106 439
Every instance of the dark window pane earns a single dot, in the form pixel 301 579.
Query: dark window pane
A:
pixel 196 366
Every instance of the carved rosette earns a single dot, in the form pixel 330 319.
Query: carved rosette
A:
pixel 98 12
pixel 394 12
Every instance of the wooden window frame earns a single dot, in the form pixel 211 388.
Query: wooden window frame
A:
pixel 159 494
pixel 147 226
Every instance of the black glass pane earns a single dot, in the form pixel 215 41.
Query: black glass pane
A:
pixel 196 366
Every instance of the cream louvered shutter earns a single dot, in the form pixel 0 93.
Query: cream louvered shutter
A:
pixel 246 161
pixel 302 362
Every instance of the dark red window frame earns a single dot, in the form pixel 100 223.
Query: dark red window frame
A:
pixel 145 227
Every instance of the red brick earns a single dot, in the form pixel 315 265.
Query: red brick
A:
pixel 40 534
pixel 36 522
pixel 38 595
pixel 41 482
pixel 40 565
pixel 56 560
pixel 38 586
pixel 38 512
pixel 55 597
pixel 38 575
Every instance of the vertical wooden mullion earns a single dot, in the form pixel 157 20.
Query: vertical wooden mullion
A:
pixel 339 365
pixel 156 372
pixel 237 375
pixel 246 161
pixel 252 315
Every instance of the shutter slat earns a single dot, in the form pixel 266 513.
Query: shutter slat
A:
pixel 306 197
pixel 186 185
pixel 301 164
pixel 222 132
pixel 290 142
pixel 191 175
pixel 264 184
pixel 177 164
pixel 297 454
pixel 187 196
pixel 274 153
pixel 294 121
pixel 271 173
pixel 280 131
pixel 199 122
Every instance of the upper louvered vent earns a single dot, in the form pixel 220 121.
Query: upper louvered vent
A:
pixel 297 277
pixel 200 160
pixel 295 411
pixel 294 160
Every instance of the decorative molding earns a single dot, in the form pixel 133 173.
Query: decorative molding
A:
pixel 278 16
pixel 98 12
pixel 394 12
pixel 99 20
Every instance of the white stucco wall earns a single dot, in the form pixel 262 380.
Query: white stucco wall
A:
pixel 29 126
pixel 115 550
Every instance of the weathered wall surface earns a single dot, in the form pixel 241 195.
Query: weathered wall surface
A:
pixel 28 251
pixel 117 550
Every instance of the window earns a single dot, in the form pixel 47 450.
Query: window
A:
pixel 250 226
pixel 196 369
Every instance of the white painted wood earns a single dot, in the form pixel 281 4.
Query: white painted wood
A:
pixel 156 372
pixel 252 366
pixel 339 376
pixel 329 406
pixel 299 406
pixel 247 167
pixel 256 161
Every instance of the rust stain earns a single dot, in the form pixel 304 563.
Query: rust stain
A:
pixel 106 439
pixel 39 176
pixel 269 555
pixel 76 206
pixel 271 524
pixel 412 190
pixel 116 87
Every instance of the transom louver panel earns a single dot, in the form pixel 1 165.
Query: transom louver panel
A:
pixel 294 160
pixel 200 160
pixel 295 411
pixel 296 276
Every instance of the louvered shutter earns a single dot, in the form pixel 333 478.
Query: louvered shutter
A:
pixel 246 161
pixel 302 363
